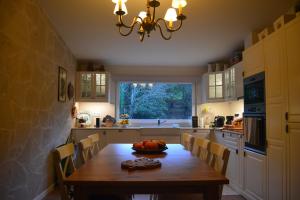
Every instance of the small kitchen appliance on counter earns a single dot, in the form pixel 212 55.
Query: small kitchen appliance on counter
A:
pixel 195 121
pixel 219 121
pixel 229 120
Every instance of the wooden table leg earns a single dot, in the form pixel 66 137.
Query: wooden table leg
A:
pixel 212 192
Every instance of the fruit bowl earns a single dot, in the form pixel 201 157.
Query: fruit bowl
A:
pixel 150 146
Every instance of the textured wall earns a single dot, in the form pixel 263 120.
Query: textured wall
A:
pixel 32 121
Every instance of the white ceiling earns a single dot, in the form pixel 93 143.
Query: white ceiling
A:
pixel 213 29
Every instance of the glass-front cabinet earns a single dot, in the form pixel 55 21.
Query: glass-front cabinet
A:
pixel 230 83
pixel 215 85
pixel 92 86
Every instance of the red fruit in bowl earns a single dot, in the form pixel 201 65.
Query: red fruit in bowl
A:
pixel 151 145
pixel 138 145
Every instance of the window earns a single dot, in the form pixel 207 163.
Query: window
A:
pixel 155 100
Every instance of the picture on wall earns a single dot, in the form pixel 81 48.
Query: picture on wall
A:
pixel 62 84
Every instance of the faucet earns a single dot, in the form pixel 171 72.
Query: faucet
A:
pixel 159 122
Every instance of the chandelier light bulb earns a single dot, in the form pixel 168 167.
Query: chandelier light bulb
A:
pixel 121 7
pixel 171 15
pixel 117 1
pixel 142 15
pixel 179 3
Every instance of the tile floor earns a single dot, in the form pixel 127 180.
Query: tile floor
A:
pixel 228 194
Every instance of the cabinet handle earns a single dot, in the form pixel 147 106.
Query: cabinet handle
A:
pixel 244 153
pixel 286 116
pixel 287 128
pixel 236 151
pixel 104 132
pixel 223 135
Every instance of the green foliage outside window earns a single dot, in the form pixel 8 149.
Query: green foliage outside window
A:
pixel 157 100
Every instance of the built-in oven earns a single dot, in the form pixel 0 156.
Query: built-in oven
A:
pixel 255 113
pixel 255 132
pixel 254 93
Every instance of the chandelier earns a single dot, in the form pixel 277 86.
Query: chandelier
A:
pixel 146 21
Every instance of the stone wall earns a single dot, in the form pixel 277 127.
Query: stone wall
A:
pixel 32 121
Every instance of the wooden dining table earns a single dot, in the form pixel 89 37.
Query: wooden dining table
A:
pixel 180 172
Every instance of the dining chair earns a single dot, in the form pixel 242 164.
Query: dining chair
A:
pixel 217 158
pixel 95 141
pixel 85 146
pixel 64 165
pixel 201 146
pixel 188 141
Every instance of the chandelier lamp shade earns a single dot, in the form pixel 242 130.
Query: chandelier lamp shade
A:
pixel 146 21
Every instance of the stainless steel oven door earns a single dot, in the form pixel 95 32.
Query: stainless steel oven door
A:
pixel 255 133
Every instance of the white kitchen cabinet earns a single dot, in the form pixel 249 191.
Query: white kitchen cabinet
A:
pixel 254 176
pixel 215 86
pixel 253 59
pixel 122 136
pixel 169 135
pixel 293 107
pixel 276 68
pixel 233 82
pixel 229 83
pixel 92 86
pixel 233 142
pixel 239 80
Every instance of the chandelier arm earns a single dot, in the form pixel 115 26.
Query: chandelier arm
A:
pixel 142 37
pixel 134 21
pixel 129 32
pixel 170 30
pixel 161 32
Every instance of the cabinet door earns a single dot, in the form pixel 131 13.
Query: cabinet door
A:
pixel 294 161
pixel 254 176
pixel 233 167
pixel 239 80
pixel 101 86
pixel 122 136
pixel 275 58
pixel 227 84
pixel 85 85
pixel 253 59
pixel 293 65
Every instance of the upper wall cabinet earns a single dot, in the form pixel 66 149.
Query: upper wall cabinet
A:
pixel 224 85
pixel 92 86
pixel 233 82
pixel 253 59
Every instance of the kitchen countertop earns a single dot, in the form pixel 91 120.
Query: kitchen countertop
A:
pixel 140 127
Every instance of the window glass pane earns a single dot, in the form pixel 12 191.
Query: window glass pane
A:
pixel 103 76
pixel 212 92
pixel 219 79
pixel 219 92
pixel 155 100
pixel 100 91
pixel 212 79
pixel 98 79
pixel 86 85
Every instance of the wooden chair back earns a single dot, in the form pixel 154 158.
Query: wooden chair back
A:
pixel 201 145
pixel 95 141
pixel 85 146
pixel 218 156
pixel 188 141
pixel 64 165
